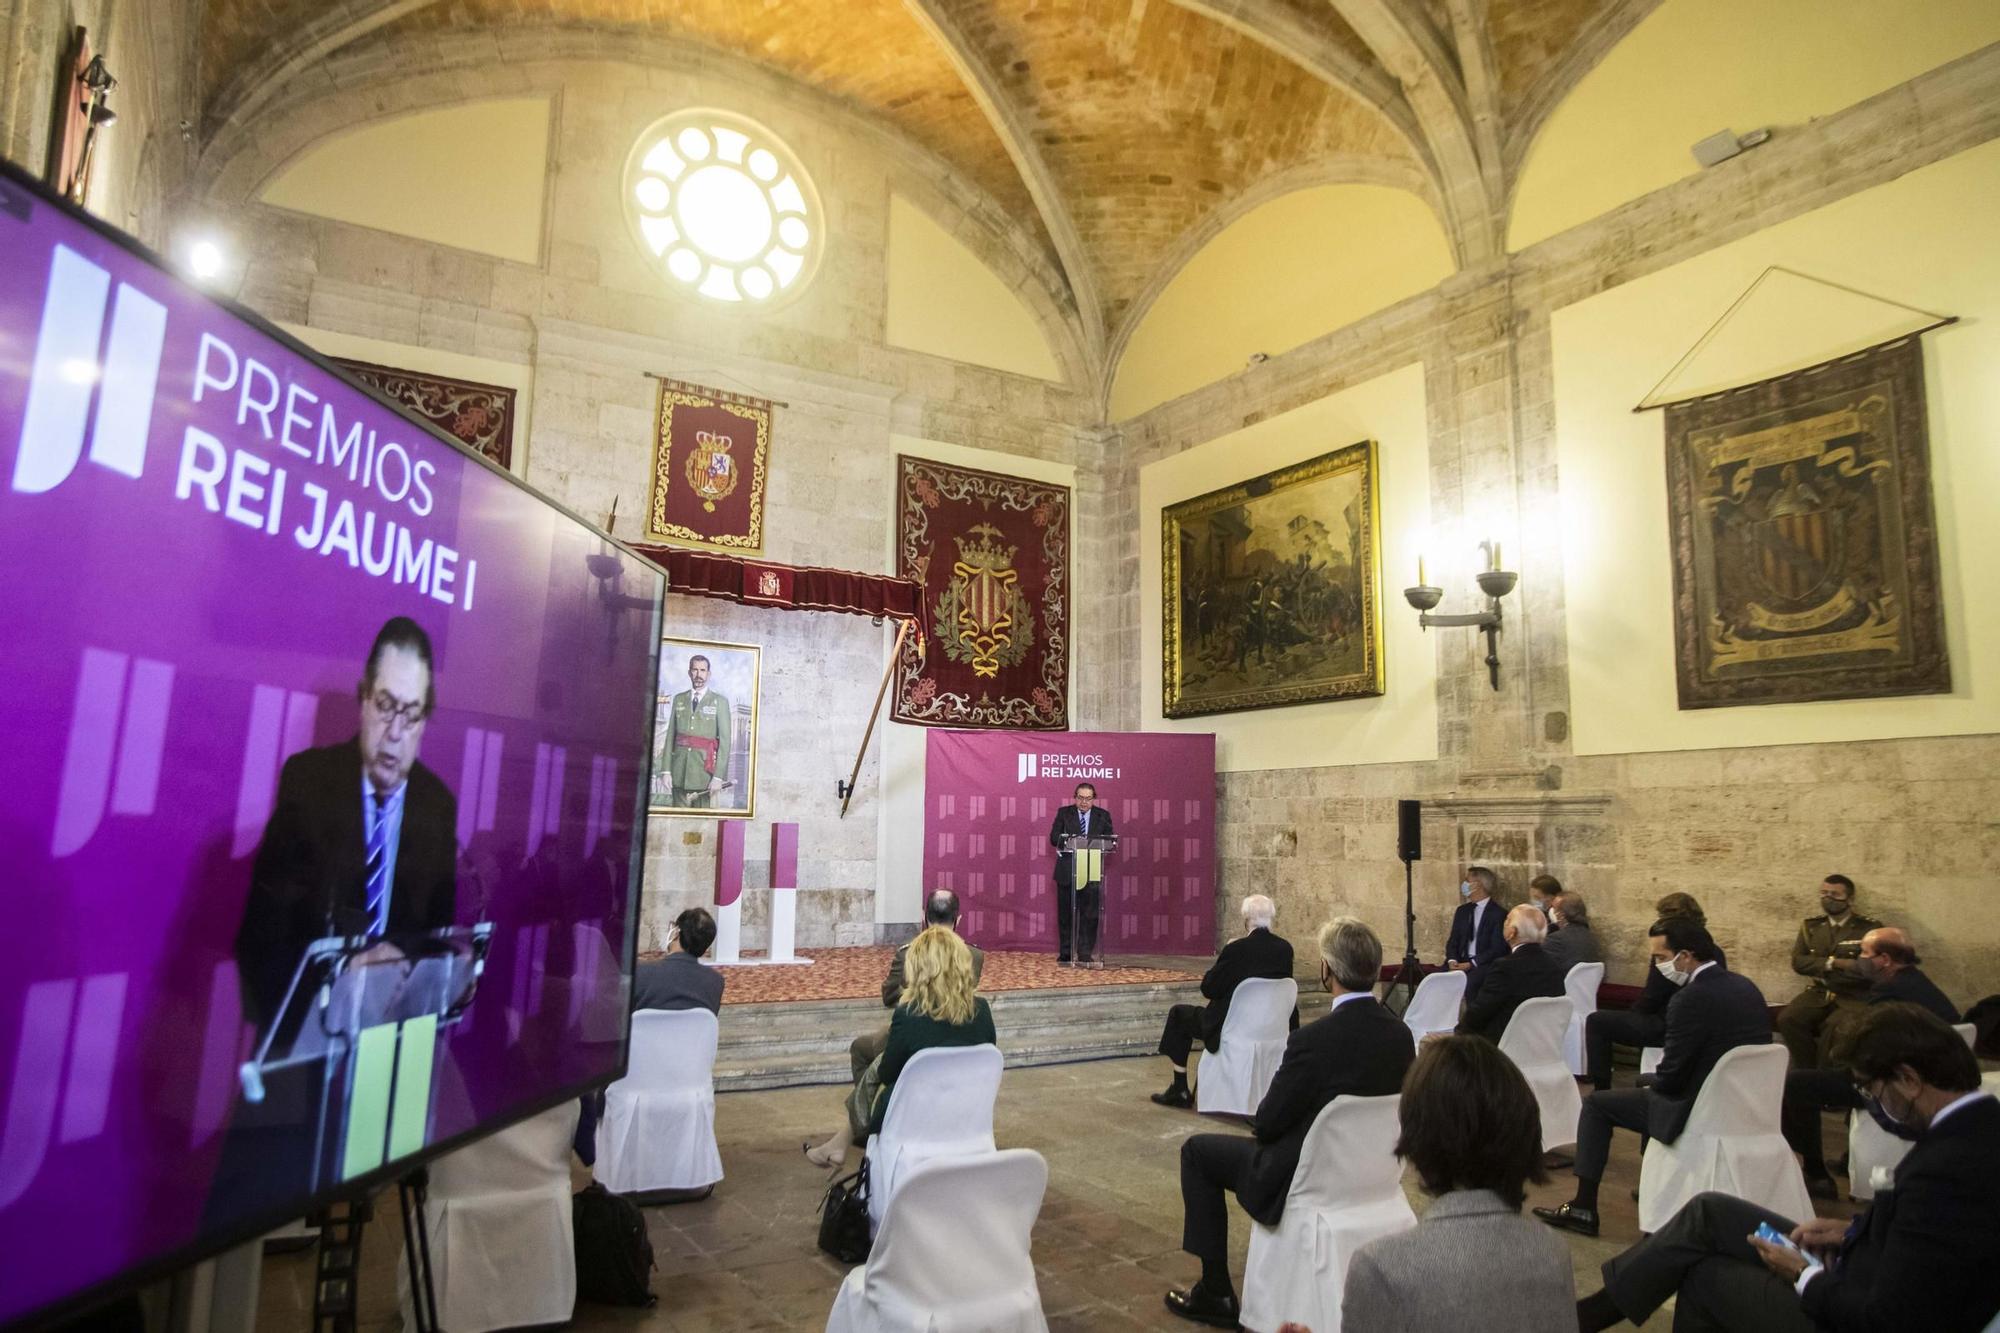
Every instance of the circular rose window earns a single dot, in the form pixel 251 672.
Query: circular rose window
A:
pixel 724 208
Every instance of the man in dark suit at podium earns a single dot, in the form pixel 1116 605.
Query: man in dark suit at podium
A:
pixel 1477 935
pixel 362 841
pixel 1258 952
pixel 1078 905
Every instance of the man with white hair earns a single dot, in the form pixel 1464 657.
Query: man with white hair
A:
pixel 1259 952
pixel 1526 972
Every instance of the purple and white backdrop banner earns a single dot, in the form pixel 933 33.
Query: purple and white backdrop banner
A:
pixel 990 798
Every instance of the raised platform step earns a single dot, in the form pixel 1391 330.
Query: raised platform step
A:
pixel 798 1045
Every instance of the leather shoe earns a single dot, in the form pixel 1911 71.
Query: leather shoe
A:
pixel 1569 1217
pixel 1822 1187
pixel 1197 1304
pixel 1174 1096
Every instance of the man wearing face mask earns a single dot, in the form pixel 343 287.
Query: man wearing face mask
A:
pixel 1888 962
pixel 1715 1011
pixel 1920 1258
pixel 1477 936
pixel 1526 973
pixel 1824 953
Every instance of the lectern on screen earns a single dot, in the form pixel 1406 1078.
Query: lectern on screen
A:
pixel 325 769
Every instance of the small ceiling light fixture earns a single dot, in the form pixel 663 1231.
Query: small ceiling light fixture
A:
pixel 205 259
pixel 1725 144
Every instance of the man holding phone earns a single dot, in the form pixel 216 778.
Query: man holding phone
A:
pixel 1824 954
pixel 1920 1258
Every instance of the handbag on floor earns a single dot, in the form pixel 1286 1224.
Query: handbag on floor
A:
pixel 843 1218
pixel 614 1255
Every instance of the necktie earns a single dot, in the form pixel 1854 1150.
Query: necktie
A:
pixel 378 868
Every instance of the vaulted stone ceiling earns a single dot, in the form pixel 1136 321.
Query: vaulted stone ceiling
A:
pixel 1113 130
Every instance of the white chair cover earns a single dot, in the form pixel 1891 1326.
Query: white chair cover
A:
pixel 940 1106
pixel 1873 1154
pixel 1581 986
pixel 1234 1079
pixel 1534 1042
pixel 1434 1008
pixel 952 1254
pixel 503 1251
pixel 1731 1144
pixel 1346 1191
pixel 658 1131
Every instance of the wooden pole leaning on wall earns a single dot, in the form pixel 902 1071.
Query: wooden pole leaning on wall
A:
pixel 881 691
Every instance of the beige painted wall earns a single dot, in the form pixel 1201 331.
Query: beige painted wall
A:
pixel 1693 67
pixel 1401 725
pixel 944 301
pixel 1927 239
pixel 1282 274
pixel 899 895
pixel 471 177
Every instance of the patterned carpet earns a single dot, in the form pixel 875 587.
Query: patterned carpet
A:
pixel 856 974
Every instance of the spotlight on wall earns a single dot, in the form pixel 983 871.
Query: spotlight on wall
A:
pixel 1494 582
pixel 1725 144
pixel 205 260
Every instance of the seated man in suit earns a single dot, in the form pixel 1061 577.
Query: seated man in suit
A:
pixel 1543 890
pixel 1888 961
pixel 1475 937
pixel 1645 1023
pixel 1358 1048
pixel 1525 973
pixel 1715 1012
pixel 679 981
pixel 1256 953
pixel 1571 940
pixel 940 909
pixel 1920 1258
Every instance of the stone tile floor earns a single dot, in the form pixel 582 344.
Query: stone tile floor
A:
pixel 1106 1246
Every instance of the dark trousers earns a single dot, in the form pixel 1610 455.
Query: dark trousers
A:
pixel 1076 911
pixel 1183 1030
pixel 1722 1286
pixel 1807 1093
pixel 1212 1166
pixel 1621 1108
pixel 1620 1026
pixel 1813 1021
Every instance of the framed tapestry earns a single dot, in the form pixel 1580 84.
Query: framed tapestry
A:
pixel 705 734
pixel 992 556
pixel 711 452
pixel 1805 555
pixel 1272 589
pixel 479 416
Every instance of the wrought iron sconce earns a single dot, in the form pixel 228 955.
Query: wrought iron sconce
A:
pixel 608 570
pixel 1494 581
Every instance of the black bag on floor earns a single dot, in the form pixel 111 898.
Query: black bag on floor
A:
pixel 843 1218
pixel 614 1256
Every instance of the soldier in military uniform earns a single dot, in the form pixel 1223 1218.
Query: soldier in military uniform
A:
pixel 699 736
pixel 1825 952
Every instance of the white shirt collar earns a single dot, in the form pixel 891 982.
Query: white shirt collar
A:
pixel 1699 970
pixel 1345 996
pixel 1949 1107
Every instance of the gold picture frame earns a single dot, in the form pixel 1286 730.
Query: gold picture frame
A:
pixel 1272 589
pixel 726 716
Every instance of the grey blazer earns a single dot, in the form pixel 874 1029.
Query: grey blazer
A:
pixel 1572 945
pixel 1472 1262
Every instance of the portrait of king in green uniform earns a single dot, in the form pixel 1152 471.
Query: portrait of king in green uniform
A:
pixel 701 759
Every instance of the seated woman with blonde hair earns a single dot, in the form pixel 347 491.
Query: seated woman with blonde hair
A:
pixel 938 1008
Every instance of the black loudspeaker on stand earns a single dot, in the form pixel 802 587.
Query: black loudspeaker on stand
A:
pixel 1410 847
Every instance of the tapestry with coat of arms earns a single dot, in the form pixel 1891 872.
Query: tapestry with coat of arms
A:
pixel 1805 552
pixel 711 455
pixel 992 556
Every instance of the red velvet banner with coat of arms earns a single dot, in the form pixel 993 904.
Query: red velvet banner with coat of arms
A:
pixel 711 451
pixel 992 556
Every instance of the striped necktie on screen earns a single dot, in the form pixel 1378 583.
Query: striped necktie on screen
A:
pixel 378 867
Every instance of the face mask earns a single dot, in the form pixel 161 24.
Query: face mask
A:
pixel 1465 888
pixel 1833 907
pixel 1898 1125
pixel 1868 969
pixel 1666 968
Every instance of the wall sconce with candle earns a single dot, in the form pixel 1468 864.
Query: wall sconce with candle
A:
pixel 1494 581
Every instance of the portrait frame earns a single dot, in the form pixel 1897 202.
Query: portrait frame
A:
pixel 1312 592
pixel 736 677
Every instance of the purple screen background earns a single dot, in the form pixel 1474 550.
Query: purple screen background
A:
pixel 160 660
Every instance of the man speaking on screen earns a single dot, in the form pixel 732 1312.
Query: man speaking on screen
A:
pixel 1078 906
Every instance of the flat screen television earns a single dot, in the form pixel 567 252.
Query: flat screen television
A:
pixel 326 758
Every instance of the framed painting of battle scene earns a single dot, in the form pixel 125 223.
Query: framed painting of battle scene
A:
pixel 705 733
pixel 1805 553
pixel 1272 589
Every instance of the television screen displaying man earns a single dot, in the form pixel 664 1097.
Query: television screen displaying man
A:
pixel 1078 906
pixel 700 734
